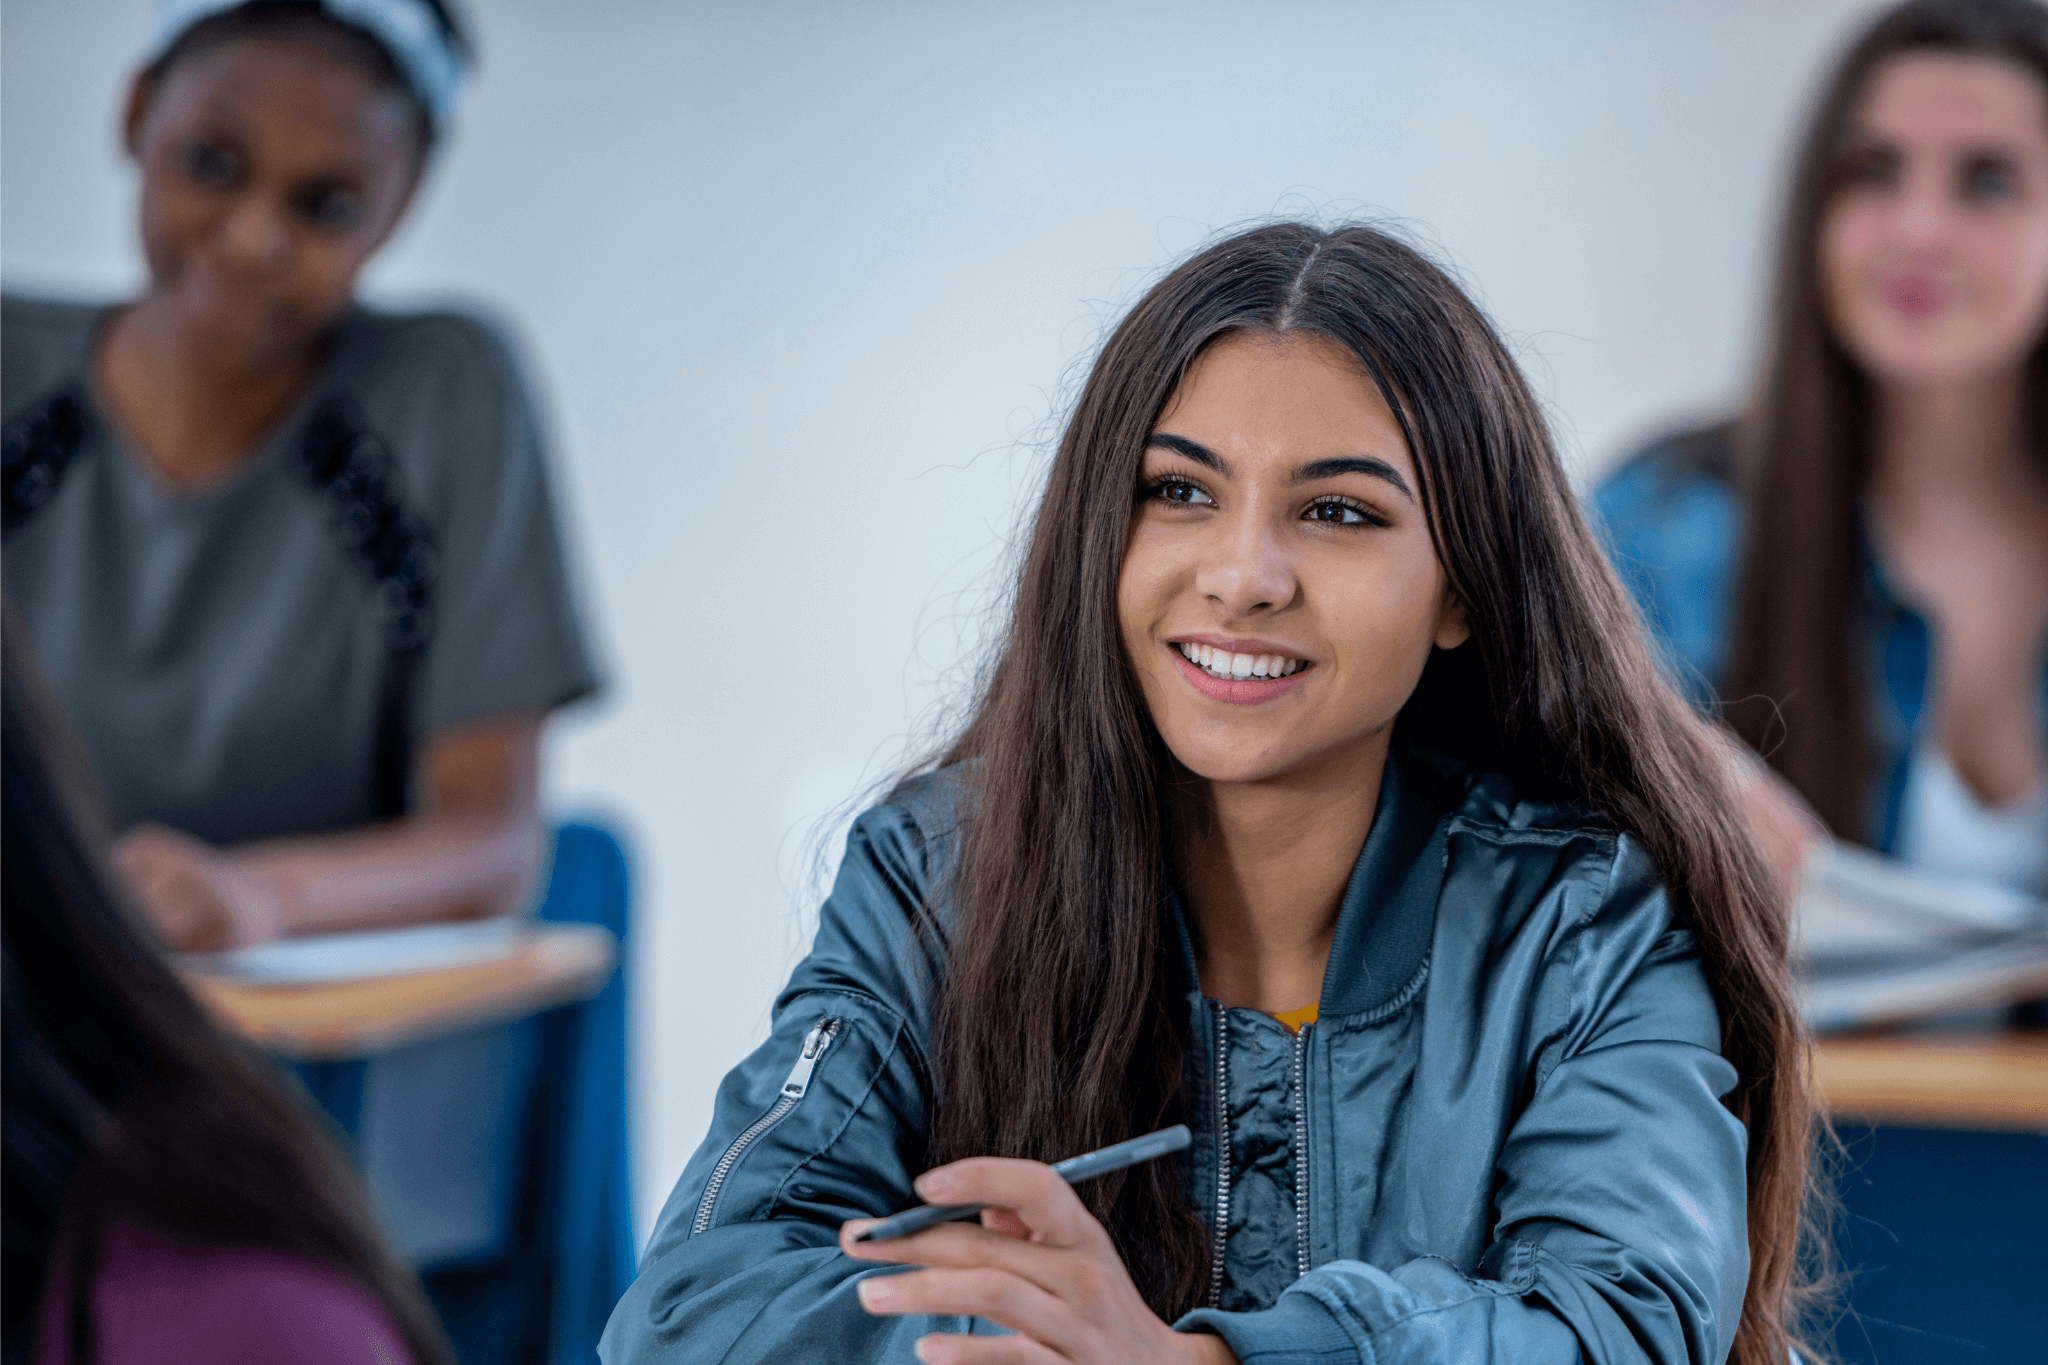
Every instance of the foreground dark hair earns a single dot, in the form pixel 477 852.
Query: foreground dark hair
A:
pixel 121 1098
pixel 309 21
pixel 1056 1029
pixel 1804 448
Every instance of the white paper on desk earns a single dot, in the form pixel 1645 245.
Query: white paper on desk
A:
pixel 1857 904
pixel 1880 942
pixel 357 957
pixel 2014 968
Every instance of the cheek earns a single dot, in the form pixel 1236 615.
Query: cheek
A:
pixel 1849 242
pixel 2013 261
pixel 325 268
pixel 1151 572
pixel 173 215
pixel 1384 622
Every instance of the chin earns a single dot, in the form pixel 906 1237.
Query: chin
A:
pixel 1232 769
pixel 1914 360
pixel 1893 351
pixel 1252 758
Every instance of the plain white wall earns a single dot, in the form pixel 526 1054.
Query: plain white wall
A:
pixel 804 286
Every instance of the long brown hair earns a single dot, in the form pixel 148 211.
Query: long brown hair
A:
pixel 122 1098
pixel 1057 1031
pixel 1796 683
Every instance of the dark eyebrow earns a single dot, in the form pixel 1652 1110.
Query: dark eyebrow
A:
pixel 1353 464
pixel 1194 450
pixel 1330 468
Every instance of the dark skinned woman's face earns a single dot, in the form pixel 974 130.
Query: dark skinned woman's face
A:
pixel 271 171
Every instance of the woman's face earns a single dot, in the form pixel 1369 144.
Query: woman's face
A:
pixel 1934 253
pixel 1280 594
pixel 271 171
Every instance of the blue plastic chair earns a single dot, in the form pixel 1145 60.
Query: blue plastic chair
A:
pixel 546 1293
pixel 588 1165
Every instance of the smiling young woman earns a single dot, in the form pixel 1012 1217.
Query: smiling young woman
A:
pixel 1323 797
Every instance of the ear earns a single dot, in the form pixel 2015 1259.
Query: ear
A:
pixel 141 91
pixel 1452 627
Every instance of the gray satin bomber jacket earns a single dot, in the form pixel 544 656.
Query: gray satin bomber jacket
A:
pixel 1502 1140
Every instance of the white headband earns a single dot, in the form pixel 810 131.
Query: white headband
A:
pixel 407 29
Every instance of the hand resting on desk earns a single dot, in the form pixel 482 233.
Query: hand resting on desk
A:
pixel 470 850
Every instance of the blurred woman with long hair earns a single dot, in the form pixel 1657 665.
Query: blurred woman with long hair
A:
pixel 1321 796
pixel 165 1198
pixel 1855 570
pixel 1852 575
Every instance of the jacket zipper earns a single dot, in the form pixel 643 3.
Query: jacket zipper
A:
pixel 1222 1228
pixel 815 1043
pixel 1301 1151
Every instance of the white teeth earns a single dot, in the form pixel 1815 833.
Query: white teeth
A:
pixel 1218 663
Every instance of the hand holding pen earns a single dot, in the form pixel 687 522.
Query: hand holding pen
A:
pixel 1039 1264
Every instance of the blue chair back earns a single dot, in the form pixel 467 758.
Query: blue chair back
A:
pixel 588 1163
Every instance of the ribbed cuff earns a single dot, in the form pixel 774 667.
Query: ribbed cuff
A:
pixel 1297 1330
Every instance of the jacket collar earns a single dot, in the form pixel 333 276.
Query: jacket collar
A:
pixel 1389 907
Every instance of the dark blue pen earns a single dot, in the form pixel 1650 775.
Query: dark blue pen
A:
pixel 1073 1170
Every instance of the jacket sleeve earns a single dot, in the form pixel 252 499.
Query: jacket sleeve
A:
pixel 744 1264
pixel 1673 535
pixel 1621 1231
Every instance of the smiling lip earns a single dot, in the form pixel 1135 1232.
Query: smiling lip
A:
pixel 1917 296
pixel 1237 691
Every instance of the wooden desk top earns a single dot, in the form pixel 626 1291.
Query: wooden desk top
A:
pixel 556 964
pixel 1933 1080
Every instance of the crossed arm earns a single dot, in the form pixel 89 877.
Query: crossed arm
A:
pixel 470 850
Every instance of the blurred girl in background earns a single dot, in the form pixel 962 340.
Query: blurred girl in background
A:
pixel 165 1199
pixel 1854 575
pixel 1856 571
pixel 290 563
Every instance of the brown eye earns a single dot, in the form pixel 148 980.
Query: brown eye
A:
pixel 1180 493
pixel 332 208
pixel 1342 512
pixel 1989 180
pixel 215 164
pixel 1870 168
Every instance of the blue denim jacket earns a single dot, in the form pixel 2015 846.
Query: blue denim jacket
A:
pixel 1503 1140
pixel 1672 522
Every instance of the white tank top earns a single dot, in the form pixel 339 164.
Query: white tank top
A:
pixel 1944 827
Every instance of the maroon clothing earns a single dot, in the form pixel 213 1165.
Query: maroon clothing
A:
pixel 158 1301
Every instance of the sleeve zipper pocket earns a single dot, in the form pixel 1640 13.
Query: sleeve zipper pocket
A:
pixel 815 1043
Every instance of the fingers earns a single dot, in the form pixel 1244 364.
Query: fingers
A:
pixel 1041 1201
pixel 1002 1298
pixel 176 892
pixel 1004 1222
pixel 968 1246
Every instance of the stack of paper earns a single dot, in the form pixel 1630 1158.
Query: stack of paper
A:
pixel 1879 942
pixel 353 957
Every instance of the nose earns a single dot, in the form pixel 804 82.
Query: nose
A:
pixel 256 235
pixel 1248 569
pixel 1921 213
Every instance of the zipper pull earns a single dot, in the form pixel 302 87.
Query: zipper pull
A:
pixel 815 1043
